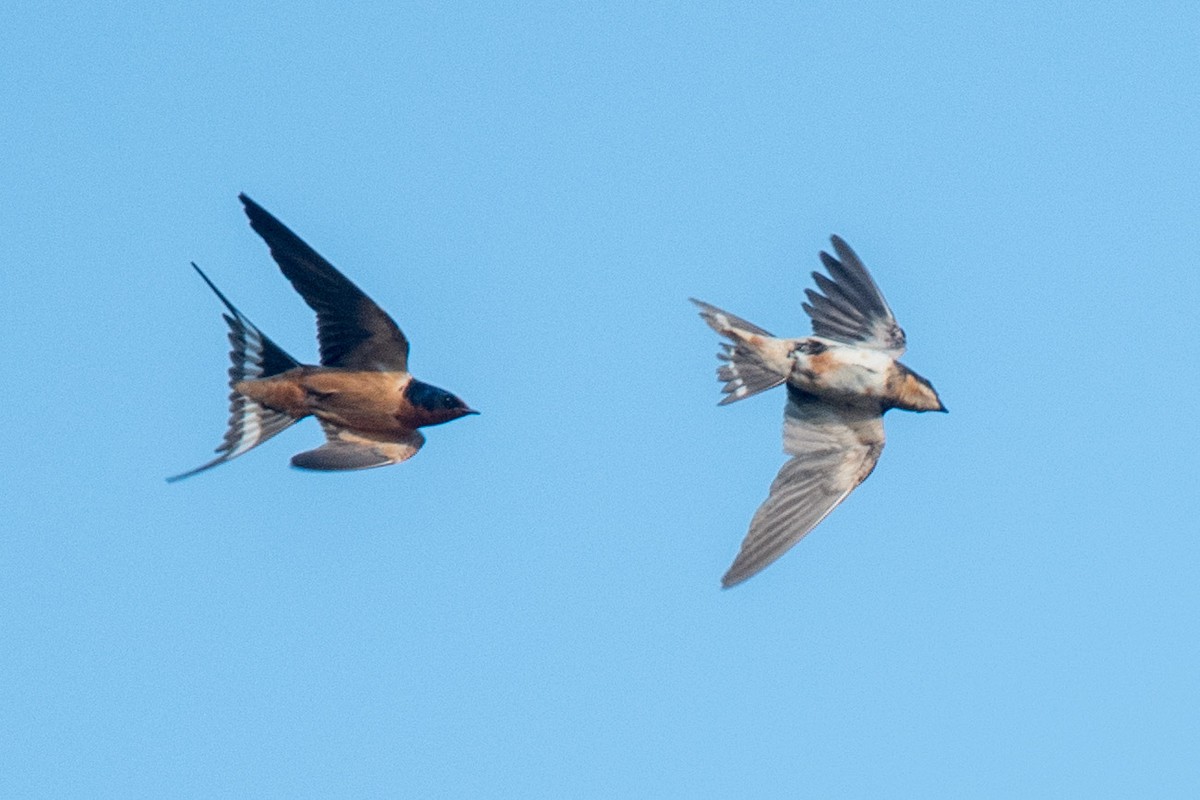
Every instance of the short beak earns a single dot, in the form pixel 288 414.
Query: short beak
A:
pixel 473 411
pixel 942 407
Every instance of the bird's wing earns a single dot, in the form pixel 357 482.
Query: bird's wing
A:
pixel 354 333
pixel 849 307
pixel 834 449
pixel 346 450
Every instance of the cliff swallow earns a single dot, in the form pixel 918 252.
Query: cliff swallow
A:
pixel 840 381
pixel 362 393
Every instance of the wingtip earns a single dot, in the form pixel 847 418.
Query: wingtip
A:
pixel 828 260
pixel 845 253
pixel 253 210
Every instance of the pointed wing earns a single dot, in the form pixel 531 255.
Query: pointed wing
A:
pixel 354 333
pixel 743 372
pixel 345 450
pixel 252 355
pixel 852 309
pixel 834 449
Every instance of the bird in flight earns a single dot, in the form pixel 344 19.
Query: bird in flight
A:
pixel 362 393
pixel 840 381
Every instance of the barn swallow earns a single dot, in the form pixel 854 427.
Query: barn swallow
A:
pixel 840 381
pixel 362 393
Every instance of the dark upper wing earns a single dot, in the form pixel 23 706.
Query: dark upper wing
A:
pixel 834 449
pixel 852 309
pixel 354 333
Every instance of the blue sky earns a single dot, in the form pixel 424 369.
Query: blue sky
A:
pixel 530 607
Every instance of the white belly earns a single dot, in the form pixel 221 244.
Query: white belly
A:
pixel 842 372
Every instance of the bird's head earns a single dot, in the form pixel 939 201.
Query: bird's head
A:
pixel 437 404
pixel 914 393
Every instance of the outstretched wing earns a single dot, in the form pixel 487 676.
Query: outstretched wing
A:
pixel 834 449
pixel 354 333
pixel 345 450
pixel 852 309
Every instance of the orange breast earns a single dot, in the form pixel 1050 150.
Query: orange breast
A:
pixel 365 401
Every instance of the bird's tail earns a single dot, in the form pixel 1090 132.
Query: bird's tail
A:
pixel 743 372
pixel 253 356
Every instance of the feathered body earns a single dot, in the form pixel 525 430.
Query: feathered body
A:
pixel 840 381
pixel 368 403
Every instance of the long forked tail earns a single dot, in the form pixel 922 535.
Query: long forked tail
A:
pixel 253 355
pixel 743 372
